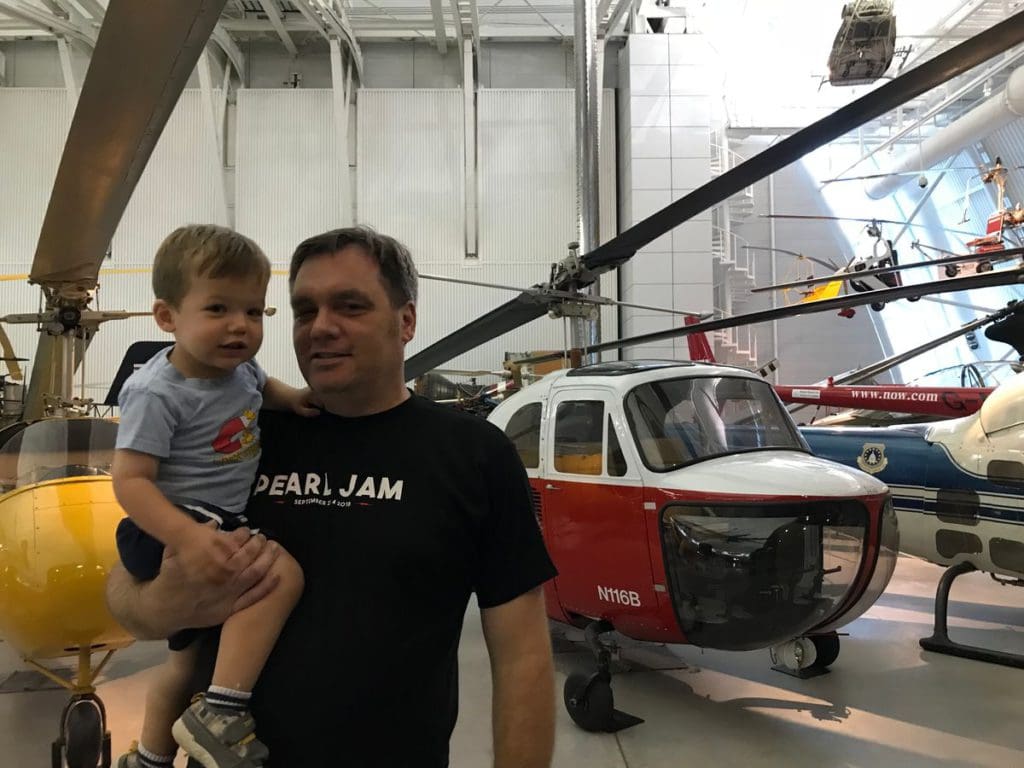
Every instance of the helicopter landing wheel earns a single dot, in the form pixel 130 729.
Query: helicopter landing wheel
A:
pixel 589 701
pixel 588 695
pixel 798 658
pixel 827 648
pixel 84 741
pixel 952 270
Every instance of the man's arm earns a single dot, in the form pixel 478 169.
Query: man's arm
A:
pixel 177 599
pixel 522 672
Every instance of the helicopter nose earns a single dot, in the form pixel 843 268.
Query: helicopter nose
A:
pixel 748 576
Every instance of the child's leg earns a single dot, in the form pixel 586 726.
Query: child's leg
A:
pixel 166 699
pixel 218 731
pixel 248 636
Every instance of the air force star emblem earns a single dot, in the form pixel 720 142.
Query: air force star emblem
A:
pixel 872 458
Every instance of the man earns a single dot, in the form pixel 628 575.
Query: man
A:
pixel 396 509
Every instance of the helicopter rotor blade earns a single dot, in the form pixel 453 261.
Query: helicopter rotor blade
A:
pixel 869 372
pixel 984 280
pixel 507 317
pixel 144 56
pixel 827 263
pixel 12 360
pixel 926 172
pixel 917 81
pixel 995 256
pixel 809 217
pixel 624 246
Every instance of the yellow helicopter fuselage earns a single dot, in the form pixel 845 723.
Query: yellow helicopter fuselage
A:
pixel 56 548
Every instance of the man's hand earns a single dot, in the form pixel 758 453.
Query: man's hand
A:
pixel 205 552
pixel 178 599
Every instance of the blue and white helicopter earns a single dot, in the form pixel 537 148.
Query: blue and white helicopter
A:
pixel 958 489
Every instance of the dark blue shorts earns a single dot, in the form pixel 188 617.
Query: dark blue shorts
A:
pixel 141 554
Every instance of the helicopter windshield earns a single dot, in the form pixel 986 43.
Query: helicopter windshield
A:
pixel 57 448
pixel 676 422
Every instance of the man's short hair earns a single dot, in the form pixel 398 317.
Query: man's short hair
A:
pixel 397 271
pixel 204 250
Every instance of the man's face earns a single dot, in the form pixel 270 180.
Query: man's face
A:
pixel 349 338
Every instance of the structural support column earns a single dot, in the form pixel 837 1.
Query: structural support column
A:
pixel 586 332
pixel 341 84
pixel 214 130
pixel 469 118
pixel 70 86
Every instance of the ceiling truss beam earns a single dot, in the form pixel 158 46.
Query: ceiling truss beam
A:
pixel 276 20
pixel 440 33
pixel 48 22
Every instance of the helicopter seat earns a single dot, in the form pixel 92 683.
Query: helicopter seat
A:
pixel 579 459
pixel 684 437
pixel 669 450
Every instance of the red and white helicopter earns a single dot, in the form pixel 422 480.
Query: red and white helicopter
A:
pixel 681 505
pixel 740 540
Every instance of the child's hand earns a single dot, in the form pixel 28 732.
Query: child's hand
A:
pixel 205 551
pixel 305 403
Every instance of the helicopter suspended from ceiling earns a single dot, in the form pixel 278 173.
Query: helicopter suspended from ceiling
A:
pixel 865 44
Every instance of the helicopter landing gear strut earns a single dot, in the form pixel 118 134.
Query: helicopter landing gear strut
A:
pixel 939 642
pixel 588 697
pixel 807 656
pixel 84 741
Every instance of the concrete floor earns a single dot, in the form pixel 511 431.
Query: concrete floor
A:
pixel 886 702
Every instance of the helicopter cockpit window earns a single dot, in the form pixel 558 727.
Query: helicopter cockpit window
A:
pixel 578 437
pixel 57 448
pixel 616 459
pixel 679 421
pixel 523 429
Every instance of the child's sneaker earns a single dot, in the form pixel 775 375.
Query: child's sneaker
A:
pixel 129 759
pixel 132 758
pixel 218 739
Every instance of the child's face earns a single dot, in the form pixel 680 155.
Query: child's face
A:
pixel 217 327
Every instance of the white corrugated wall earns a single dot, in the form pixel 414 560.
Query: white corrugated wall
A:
pixel 179 186
pixel 33 124
pixel 410 169
pixel 182 184
pixel 411 186
pixel 287 187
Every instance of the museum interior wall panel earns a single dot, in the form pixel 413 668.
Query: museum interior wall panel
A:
pixel 33 125
pixel 526 218
pixel 289 181
pixel 667 155
pixel 410 165
pixel 183 183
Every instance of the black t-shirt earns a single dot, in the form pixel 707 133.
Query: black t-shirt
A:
pixel 395 519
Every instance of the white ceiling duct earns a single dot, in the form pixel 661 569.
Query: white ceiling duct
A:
pixel 996 112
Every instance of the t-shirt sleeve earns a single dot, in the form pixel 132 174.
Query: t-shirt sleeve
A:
pixel 147 423
pixel 513 558
pixel 259 373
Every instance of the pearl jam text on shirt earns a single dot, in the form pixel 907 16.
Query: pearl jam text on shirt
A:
pixel 316 488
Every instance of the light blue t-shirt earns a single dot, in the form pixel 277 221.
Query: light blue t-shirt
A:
pixel 204 431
